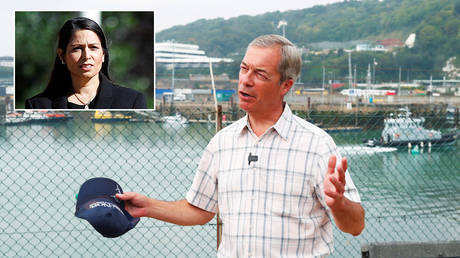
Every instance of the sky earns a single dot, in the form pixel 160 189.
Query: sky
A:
pixel 167 13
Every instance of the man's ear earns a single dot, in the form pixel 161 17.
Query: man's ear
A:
pixel 59 53
pixel 286 86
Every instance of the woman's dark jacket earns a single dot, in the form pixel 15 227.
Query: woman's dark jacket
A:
pixel 109 96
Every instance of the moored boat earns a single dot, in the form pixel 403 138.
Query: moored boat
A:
pixel 402 130
pixel 107 116
pixel 174 119
pixel 28 117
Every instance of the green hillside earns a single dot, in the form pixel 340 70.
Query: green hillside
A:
pixel 345 21
pixel 436 24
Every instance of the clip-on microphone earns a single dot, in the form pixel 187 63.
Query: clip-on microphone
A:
pixel 252 158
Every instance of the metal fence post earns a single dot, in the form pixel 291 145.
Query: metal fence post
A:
pixel 219 221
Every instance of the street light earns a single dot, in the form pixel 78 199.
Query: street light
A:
pixel 283 24
pixel 373 69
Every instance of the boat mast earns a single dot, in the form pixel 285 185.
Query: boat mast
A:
pixel 171 110
pixel 368 77
pixel 350 77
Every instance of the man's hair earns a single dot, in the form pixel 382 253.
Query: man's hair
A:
pixel 291 61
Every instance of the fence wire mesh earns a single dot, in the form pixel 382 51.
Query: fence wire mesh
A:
pixel 407 195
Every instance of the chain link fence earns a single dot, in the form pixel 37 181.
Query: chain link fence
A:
pixel 408 196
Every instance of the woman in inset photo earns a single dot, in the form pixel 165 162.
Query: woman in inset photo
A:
pixel 80 77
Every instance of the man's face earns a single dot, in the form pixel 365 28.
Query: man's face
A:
pixel 259 86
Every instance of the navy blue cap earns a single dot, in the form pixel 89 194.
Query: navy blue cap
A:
pixel 96 203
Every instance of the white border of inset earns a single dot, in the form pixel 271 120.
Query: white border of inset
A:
pixel 79 10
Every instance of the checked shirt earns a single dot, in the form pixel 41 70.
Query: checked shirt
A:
pixel 272 207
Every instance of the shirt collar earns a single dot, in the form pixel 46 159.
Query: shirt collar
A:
pixel 243 124
pixel 281 126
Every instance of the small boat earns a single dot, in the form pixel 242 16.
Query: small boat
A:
pixel 341 129
pixel 451 112
pixel 57 117
pixel 29 117
pixel 403 130
pixel 107 116
pixel 15 118
pixel 174 119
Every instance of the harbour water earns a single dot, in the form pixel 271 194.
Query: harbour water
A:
pixel 407 197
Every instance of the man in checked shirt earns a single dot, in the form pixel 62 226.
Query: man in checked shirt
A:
pixel 272 175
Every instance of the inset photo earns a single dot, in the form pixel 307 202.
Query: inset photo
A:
pixel 90 60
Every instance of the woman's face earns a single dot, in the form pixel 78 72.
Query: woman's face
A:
pixel 84 55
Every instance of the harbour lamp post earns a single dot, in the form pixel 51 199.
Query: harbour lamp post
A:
pixel 283 24
pixel 373 70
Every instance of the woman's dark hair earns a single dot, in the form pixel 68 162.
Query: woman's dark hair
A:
pixel 60 82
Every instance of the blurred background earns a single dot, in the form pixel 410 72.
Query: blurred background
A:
pixel 130 42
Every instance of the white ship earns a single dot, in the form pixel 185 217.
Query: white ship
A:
pixel 183 55
pixel 402 129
